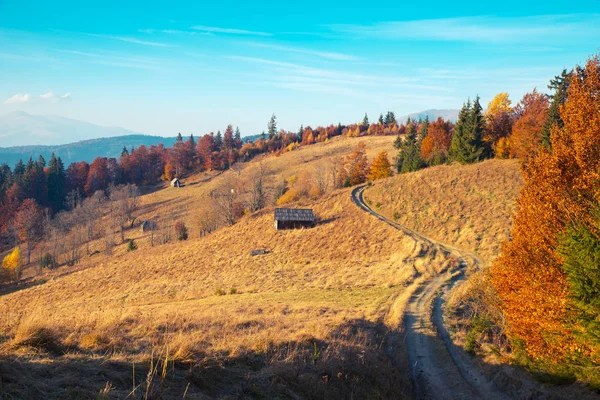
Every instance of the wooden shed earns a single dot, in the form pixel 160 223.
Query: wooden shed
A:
pixel 293 218
pixel 176 183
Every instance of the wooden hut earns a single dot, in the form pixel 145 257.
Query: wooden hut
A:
pixel 176 183
pixel 294 218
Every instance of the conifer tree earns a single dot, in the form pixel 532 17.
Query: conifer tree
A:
pixel 560 85
pixel 272 126
pixel 179 137
pixel 365 123
pixel 409 153
pixel 381 119
pixel 467 143
pixel 56 182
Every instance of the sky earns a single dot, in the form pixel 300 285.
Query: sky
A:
pixel 194 67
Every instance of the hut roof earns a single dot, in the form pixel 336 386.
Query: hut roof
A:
pixel 175 180
pixel 294 214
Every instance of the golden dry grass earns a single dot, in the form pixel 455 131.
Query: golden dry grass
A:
pixel 318 297
pixel 468 206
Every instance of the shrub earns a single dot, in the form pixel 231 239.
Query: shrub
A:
pixel 47 261
pixel 396 216
pixel 233 291
pixel 181 230
pixel 131 246
pixel 11 265
pixel 220 292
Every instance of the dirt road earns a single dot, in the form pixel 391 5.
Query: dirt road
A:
pixel 439 369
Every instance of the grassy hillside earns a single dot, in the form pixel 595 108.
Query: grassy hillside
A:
pixel 468 206
pixel 310 318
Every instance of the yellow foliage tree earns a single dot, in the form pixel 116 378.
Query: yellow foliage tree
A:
pixel 381 167
pixel 499 104
pixel 11 265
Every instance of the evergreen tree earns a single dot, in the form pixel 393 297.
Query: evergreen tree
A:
pixel 237 137
pixel 272 126
pixel 56 182
pixel 124 152
pixel 467 144
pixel 365 123
pixel 5 179
pixel 409 153
pixel 192 140
pixel 300 133
pixel 560 86
pixel 580 249
pixel 381 119
pixel 390 118
pixel 263 136
pixel 41 161
pixel 179 137
pixel 423 128
pixel 218 140
pixel 19 172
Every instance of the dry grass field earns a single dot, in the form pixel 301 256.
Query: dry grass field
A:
pixel 315 317
pixel 467 206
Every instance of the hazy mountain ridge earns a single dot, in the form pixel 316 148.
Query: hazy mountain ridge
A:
pixel 448 114
pixel 22 129
pixel 85 150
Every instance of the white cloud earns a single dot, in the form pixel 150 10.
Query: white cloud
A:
pixel 231 31
pixel 18 98
pixel 322 54
pixel 481 29
pixel 46 97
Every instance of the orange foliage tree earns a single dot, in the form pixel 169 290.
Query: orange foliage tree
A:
pixel 560 192
pixel 381 167
pixel 435 146
pixel 532 113
pixel 355 167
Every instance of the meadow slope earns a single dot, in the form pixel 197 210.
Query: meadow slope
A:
pixel 468 206
pixel 317 316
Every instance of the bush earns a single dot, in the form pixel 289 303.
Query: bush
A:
pixel 47 261
pixel 131 246
pixel 11 265
pixel 220 292
pixel 233 291
pixel 181 230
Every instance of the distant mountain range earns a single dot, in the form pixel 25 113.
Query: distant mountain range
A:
pixel 24 135
pixel 433 114
pixel 22 129
pixel 85 150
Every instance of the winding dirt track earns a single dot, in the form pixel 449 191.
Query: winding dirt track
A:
pixel 439 369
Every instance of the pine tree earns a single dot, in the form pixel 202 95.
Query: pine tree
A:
pixel 365 123
pixel 381 119
pixel 580 250
pixel 179 137
pixel 124 152
pixel 237 137
pixel 560 86
pixel 423 127
pixel 390 118
pixel 56 182
pixel 272 126
pixel 218 140
pixel 467 143
pixel 300 133
pixel 409 153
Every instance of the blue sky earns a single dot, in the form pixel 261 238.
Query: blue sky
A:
pixel 194 67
